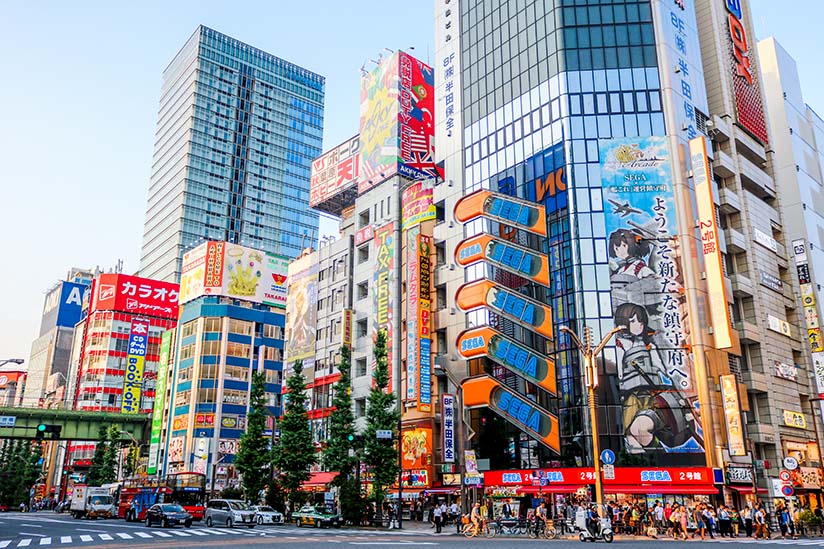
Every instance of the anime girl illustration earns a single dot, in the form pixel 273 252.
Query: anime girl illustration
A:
pixel 628 253
pixel 655 411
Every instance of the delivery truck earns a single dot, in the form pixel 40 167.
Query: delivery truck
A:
pixel 92 502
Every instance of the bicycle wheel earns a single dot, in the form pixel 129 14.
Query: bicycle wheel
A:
pixel 489 531
pixel 468 530
pixel 532 530
pixel 551 533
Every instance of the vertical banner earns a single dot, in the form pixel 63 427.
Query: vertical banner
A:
pixel 732 415
pixel 425 323
pixel 656 387
pixel 135 362
pixel 448 427
pixel 347 327
pixel 385 246
pixel 708 227
pixel 200 455
pixel 412 312
pixel 159 401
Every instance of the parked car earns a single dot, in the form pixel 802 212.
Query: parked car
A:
pixel 4 508
pixel 229 512
pixel 319 516
pixel 266 515
pixel 168 514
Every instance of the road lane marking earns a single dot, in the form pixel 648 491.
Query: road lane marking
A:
pixel 162 534
pixel 33 525
pixel 90 530
pixel 31 534
pixel 215 532
pixel 84 537
pixel 24 542
pixel 181 534
pixel 45 541
pixel 123 535
pixel 4 543
pixel 65 539
pixel 106 537
pixel 198 533
pixel 143 534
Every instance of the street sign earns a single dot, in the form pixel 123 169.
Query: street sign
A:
pixel 787 490
pixel 383 434
pixel 7 421
pixel 609 471
pixel 784 475
pixel 790 463
pixel 470 480
pixel 608 457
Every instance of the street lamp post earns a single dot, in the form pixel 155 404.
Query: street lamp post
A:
pixel 590 354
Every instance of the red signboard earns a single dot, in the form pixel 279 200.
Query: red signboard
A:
pixel 644 479
pixel 364 235
pixel 136 295
pixel 335 171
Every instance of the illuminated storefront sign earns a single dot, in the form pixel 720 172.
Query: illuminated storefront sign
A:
pixel 425 322
pixel 510 257
pixel 516 357
pixel 448 427
pixel 504 209
pixel 526 312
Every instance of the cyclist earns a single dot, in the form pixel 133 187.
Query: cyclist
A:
pixel 541 517
pixel 475 516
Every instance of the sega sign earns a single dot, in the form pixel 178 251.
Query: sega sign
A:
pixel 657 475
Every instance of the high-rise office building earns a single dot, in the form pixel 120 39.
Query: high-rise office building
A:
pixel 237 130
pixel 585 128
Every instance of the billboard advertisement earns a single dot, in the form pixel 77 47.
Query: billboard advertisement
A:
pixel 417 447
pixel 710 248
pixel 732 415
pixel 425 322
pixel 510 304
pixel 135 295
pixel 485 391
pixel 655 372
pixel 385 249
pixel 510 354
pixel 503 209
pixel 63 306
pixel 397 121
pixel 301 309
pixel 135 362
pixel 413 293
pixel 418 204
pixel 743 72
pixel 510 257
pixel 231 270
pixel 335 171
pixel 159 402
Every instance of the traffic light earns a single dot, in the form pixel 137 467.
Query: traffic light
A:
pixel 44 428
pixel 355 440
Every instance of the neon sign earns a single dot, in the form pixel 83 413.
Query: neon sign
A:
pixel 741 49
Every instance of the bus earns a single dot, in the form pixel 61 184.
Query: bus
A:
pixel 138 494
pixel 189 490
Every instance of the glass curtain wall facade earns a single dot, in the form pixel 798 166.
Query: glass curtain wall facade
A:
pixel 237 131
pixel 545 80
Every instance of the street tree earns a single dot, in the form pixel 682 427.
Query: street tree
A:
pixel 294 452
pixel 381 455
pixel 253 458
pixel 108 473
pixel 96 467
pixel 341 451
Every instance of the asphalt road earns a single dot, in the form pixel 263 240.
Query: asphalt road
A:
pixel 53 530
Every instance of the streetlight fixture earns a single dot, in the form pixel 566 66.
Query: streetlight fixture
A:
pixel 590 354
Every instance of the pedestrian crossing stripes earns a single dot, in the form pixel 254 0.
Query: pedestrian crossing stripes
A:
pixel 794 542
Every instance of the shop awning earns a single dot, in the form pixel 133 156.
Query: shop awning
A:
pixel 443 490
pixel 319 479
pixel 674 490
pixel 547 489
pixel 747 489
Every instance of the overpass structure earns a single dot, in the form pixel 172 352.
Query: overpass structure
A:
pixel 75 424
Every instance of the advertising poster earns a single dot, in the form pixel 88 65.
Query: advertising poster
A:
pixel 193 273
pixel 417 448
pixel 159 402
pixel 200 455
pixel 416 118
pixel 656 387
pixel 425 322
pixel 135 362
pixel 379 109
pixel 335 171
pixel 302 310
pixel 215 258
pixel 176 445
pixel 63 306
pixel 732 415
pixel 448 427
pixel 418 204
pixel 385 249
pixel 413 306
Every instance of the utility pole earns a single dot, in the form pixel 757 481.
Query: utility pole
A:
pixel 590 356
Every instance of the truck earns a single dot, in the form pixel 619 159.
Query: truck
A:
pixel 92 502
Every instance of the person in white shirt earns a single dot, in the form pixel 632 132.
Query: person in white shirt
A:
pixel 438 518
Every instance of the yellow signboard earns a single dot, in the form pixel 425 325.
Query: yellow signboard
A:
pixel 794 419
pixel 732 415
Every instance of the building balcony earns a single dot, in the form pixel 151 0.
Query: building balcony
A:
pixel 746 141
pixel 729 201
pixel 721 130
pixel 742 286
pixel 755 381
pixel 736 243
pixel 723 164
pixel 748 331
pixel 761 433
pixel 754 176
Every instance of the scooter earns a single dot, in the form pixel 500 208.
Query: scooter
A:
pixel 601 531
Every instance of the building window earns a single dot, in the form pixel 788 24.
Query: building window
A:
pixel 360 367
pixel 209 371
pixel 236 373
pixel 206 396
pixel 440 212
pixel 240 350
pixel 363 254
pixel 363 290
pixel 241 327
pixel 440 253
pixel 360 407
pixel 440 294
pixel 210 348
pixel 360 328
pixel 212 325
pixel 187 351
pixel 363 219
pixel 273 353
pixel 188 328
pixel 272 332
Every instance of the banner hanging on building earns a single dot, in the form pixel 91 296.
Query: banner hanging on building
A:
pixel 424 323
pixel 656 382
pixel 413 306
pixel 448 427
pixel 160 400
pixel 383 291
pixel 302 310
pixel 732 415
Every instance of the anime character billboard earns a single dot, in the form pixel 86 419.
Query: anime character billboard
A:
pixel 655 372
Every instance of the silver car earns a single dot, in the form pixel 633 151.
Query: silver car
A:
pixel 229 512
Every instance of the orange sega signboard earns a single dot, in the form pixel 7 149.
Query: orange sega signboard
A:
pixel 503 209
pixel 524 311
pixel 505 255
pixel 486 341
pixel 485 391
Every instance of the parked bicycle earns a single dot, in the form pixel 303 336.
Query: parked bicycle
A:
pixel 509 527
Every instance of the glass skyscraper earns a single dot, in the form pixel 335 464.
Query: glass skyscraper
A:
pixel 237 130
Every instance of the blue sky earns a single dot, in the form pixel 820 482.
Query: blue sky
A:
pixel 80 89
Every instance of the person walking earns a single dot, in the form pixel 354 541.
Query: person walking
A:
pixel 759 521
pixel 735 520
pixel 747 515
pixel 700 525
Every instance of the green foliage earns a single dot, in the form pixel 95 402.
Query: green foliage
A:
pixel 336 456
pixel 130 462
pixel 19 470
pixel 231 493
pixel 253 459
pixel 294 452
pixel 96 466
pixel 276 497
pixel 381 414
